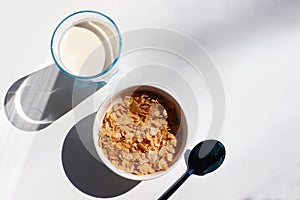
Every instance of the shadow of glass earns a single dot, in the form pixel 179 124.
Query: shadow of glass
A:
pixel 37 100
pixel 87 173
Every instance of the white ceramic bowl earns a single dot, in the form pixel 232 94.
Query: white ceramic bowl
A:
pixel 181 136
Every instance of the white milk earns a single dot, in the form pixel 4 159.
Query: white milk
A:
pixel 85 49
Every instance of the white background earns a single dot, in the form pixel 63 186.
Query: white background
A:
pixel 255 45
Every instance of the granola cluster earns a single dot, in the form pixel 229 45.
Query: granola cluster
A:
pixel 138 136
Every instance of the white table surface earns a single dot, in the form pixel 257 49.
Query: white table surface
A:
pixel 256 48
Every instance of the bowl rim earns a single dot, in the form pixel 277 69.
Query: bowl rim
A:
pixel 107 162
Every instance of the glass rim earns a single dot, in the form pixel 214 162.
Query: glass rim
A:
pixel 102 72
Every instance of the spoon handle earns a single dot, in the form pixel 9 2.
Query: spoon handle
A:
pixel 176 185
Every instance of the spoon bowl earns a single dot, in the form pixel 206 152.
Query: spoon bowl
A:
pixel 206 157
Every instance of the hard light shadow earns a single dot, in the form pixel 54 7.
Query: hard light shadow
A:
pixel 37 100
pixel 87 173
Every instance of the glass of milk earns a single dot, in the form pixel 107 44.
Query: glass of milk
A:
pixel 86 45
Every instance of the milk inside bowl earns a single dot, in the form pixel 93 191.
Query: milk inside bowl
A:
pixel 86 44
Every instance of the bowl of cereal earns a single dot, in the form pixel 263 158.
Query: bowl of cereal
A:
pixel 140 132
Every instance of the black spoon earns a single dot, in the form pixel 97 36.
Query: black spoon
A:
pixel 206 157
